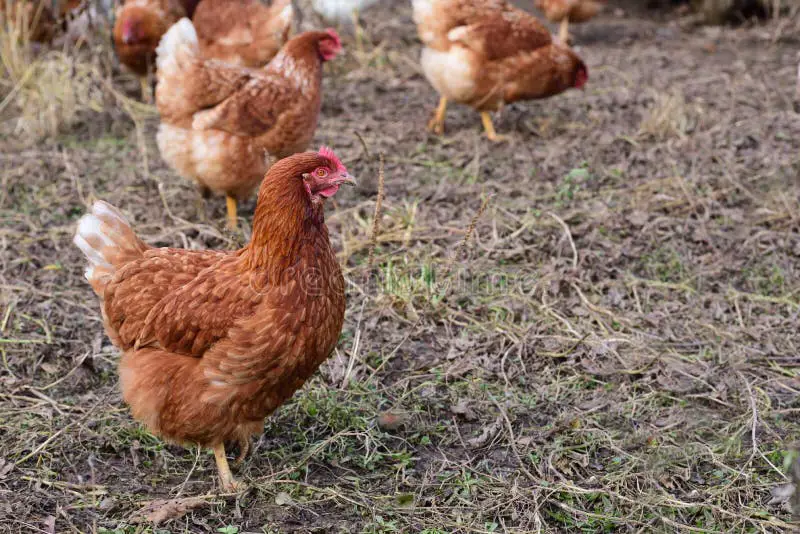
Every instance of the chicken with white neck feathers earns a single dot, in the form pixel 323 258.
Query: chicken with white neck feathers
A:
pixel 220 121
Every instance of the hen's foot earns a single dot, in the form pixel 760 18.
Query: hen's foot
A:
pixel 147 93
pixel 200 203
pixel 436 124
pixel 226 479
pixel 563 32
pixel 490 131
pixel 244 450
pixel 232 222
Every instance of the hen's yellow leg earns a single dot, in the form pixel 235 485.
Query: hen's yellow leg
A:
pixel 563 31
pixel 231 202
pixel 225 476
pixel 244 449
pixel 436 125
pixel 489 127
pixel 147 94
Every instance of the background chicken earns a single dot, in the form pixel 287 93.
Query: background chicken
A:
pixel 242 32
pixel 341 11
pixel 138 28
pixel 486 53
pixel 566 11
pixel 219 122
pixel 215 341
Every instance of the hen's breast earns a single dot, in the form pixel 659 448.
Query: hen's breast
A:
pixel 453 72
pixel 222 162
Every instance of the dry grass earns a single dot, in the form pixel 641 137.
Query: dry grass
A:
pixel 591 328
pixel 44 94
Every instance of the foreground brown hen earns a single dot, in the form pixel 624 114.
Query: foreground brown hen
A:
pixel 486 53
pixel 220 122
pixel 214 341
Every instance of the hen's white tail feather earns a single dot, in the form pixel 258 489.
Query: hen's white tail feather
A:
pixel 178 44
pixel 286 14
pixel 106 239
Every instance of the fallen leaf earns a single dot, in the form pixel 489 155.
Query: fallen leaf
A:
pixel 488 433
pixel 462 408
pixel 50 524
pixel 781 494
pixel 5 467
pixel 165 510
pixel 392 420
pixel 283 498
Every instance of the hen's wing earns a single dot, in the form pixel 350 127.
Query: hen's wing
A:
pixel 502 34
pixel 182 300
pixel 191 318
pixel 251 108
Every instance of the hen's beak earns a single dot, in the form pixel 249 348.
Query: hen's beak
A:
pixel 344 178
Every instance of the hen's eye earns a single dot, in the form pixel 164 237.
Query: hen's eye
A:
pixel 321 173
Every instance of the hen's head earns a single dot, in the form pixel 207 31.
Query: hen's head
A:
pixel 321 173
pixel 327 175
pixel 137 26
pixel 581 76
pixel 330 45
pixel 324 45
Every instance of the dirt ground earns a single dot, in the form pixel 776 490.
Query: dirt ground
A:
pixel 614 349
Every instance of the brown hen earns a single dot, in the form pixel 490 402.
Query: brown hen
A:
pixel 221 123
pixel 212 341
pixel 242 32
pixel 486 53
pixel 138 28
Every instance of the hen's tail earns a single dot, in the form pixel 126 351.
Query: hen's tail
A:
pixel 108 242
pixel 177 58
pixel 177 46
pixel 282 14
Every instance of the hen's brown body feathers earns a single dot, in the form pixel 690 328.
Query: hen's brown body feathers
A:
pixel 242 32
pixel 214 341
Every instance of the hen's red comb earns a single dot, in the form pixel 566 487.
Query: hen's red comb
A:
pixel 335 36
pixel 328 154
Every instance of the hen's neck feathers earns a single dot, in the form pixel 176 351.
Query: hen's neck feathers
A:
pixel 285 221
pixel 299 61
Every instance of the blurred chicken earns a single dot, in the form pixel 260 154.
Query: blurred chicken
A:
pixel 341 11
pixel 486 53
pixel 566 11
pixel 221 123
pixel 40 18
pixel 213 341
pixel 138 28
pixel 242 32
